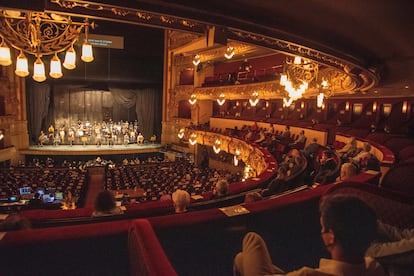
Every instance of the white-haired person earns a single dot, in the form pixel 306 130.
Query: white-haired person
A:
pixel 181 200
pixel 347 170
pixel 221 188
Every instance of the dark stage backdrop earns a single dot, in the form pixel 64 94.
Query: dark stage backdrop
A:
pixel 64 105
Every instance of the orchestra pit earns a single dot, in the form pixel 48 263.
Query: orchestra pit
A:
pixel 149 137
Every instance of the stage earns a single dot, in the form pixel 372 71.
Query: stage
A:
pixel 87 150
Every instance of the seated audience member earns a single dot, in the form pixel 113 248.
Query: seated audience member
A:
pixel 394 249
pixel 348 227
pixel 327 166
pixel 300 140
pixel 261 137
pixel 105 205
pixel 347 170
pixel 221 188
pixel 36 201
pixel 363 154
pixel 285 136
pixel 311 150
pixel 277 185
pixel 252 197
pixel 349 149
pixel 181 200
pixel 14 222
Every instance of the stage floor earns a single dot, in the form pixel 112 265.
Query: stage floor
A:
pixel 91 149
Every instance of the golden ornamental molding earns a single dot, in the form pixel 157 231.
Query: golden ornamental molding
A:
pixel 126 14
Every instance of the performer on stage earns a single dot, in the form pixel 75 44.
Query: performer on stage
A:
pixel 42 138
pixel 140 138
pixel 71 136
pixel 153 138
pixel 126 139
pixel 56 140
pixel 62 134
pixel 51 133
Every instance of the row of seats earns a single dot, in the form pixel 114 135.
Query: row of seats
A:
pixel 201 242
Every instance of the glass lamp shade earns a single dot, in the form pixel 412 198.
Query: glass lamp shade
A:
pixel 87 54
pixel 70 59
pixel 55 67
pixel 22 66
pixel 5 57
pixel 39 70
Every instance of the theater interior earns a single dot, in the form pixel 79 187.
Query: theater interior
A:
pixel 178 94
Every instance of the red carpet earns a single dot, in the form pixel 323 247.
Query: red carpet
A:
pixel 96 185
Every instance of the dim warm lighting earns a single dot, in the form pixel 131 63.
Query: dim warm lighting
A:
pixel 39 70
pixel 374 107
pixel 5 57
pixel 229 53
pixel 55 67
pixel 254 99
pixel 296 77
pixel 181 133
pixel 196 60
pixel 216 146
pixel 347 106
pixel 70 59
pixel 22 66
pixel 193 99
pixel 193 139
pixel 319 100
pixel 404 107
pixel 41 34
pixel 236 157
pixel 221 99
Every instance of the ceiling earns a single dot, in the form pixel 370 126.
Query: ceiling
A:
pixel 376 34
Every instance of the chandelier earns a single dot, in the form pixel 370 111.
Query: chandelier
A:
pixel 296 78
pixel 42 34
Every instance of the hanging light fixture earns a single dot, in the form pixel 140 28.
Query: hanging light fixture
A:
pixel 87 53
pixel 70 59
pixel 22 65
pixel 297 76
pixel 229 53
pixel 55 67
pixel 41 34
pixel 5 56
pixel 39 74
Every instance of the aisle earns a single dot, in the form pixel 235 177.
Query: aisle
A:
pixel 96 185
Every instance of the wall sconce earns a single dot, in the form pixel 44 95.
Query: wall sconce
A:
pixel 216 147
pixel 236 158
pixel 374 107
pixel 193 99
pixel 196 60
pixel 221 99
pixel 181 133
pixel 302 105
pixel 246 172
pixel 319 100
pixel 347 106
pixel 287 103
pixel 404 107
pixel 193 139
pixel 254 99
pixel 229 53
